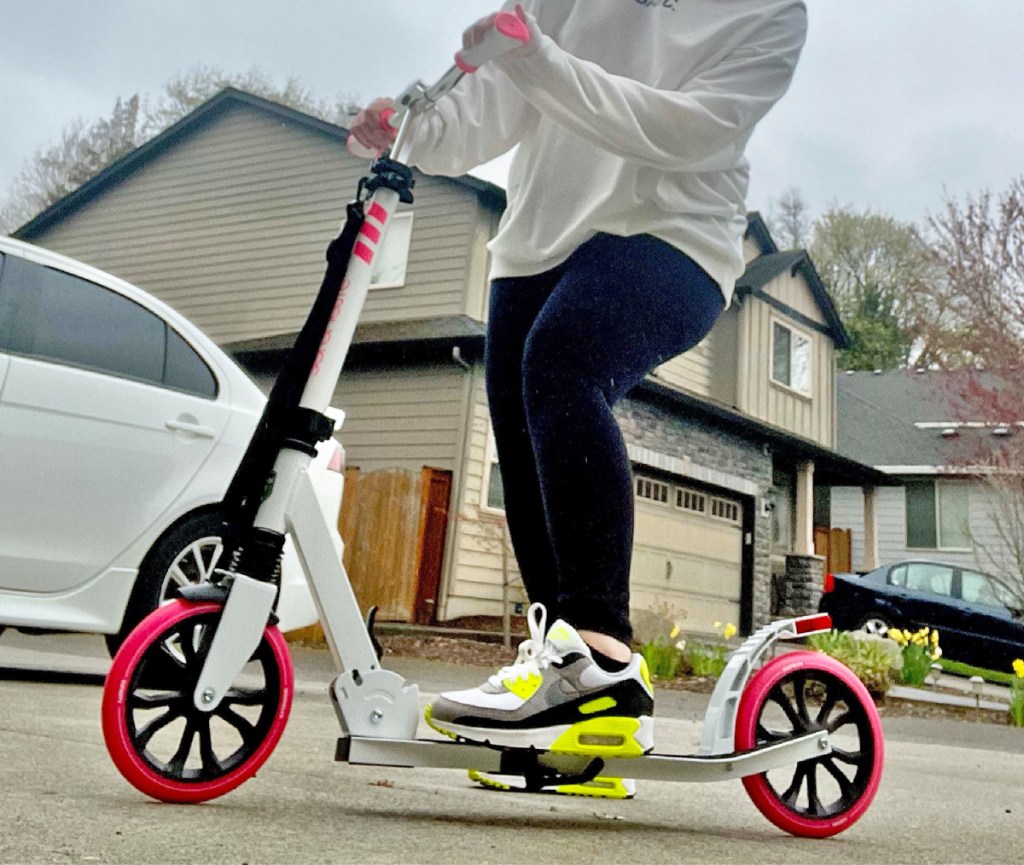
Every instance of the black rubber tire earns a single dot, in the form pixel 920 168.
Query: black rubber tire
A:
pixel 146 596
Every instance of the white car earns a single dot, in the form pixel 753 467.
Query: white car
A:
pixel 121 425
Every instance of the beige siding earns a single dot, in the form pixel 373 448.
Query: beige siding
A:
pixel 402 418
pixel 690 371
pixel 810 417
pixel 229 226
pixel 479 541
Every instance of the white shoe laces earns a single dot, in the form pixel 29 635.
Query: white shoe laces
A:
pixel 535 653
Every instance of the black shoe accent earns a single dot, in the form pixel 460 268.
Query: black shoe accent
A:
pixel 609 665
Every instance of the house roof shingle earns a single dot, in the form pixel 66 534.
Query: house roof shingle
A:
pixel 879 416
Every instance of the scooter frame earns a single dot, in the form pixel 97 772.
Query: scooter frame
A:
pixel 377 709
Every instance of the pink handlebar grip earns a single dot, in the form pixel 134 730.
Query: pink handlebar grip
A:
pixel 508 33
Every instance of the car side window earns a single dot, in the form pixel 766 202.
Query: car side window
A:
pixel 185 370
pixel 976 588
pixel 933 579
pixel 898 576
pixel 48 314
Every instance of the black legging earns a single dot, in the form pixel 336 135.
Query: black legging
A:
pixel 562 348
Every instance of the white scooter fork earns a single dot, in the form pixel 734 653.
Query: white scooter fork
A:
pixel 369 700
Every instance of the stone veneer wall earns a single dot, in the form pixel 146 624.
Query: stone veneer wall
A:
pixel 709 445
pixel 800 587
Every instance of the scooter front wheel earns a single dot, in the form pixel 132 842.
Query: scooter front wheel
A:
pixel 799 693
pixel 160 742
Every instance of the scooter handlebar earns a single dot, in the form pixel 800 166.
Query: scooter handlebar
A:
pixel 507 33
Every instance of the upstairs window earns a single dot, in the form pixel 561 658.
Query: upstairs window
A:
pixel 392 259
pixel 791 358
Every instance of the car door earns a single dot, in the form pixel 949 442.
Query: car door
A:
pixel 927 595
pixel 104 419
pixel 994 636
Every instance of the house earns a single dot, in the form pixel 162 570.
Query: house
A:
pixel 225 216
pixel 915 426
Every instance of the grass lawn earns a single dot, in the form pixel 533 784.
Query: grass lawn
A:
pixel 966 670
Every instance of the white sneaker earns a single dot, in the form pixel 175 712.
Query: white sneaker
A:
pixel 554 698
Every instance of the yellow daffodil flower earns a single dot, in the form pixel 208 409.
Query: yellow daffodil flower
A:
pixel 730 631
pixel 674 632
pixel 1018 668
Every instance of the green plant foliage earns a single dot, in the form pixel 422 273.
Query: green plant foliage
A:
pixel 868 659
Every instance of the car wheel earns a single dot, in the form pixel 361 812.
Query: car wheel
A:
pixel 186 555
pixel 875 624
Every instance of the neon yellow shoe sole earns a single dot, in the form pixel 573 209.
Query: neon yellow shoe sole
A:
pixel 600 787
pixel 599 737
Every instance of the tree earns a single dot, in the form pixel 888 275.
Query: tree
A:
pixel 85 149
pixel 789 220
pixel 874 267
pixel 979 247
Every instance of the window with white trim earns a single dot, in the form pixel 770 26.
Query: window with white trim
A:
pixel 653 491
pixel 791 358
pixel 691 500
pixel 494 487
pixel 938 515
pixel 392 258
pixel 723 509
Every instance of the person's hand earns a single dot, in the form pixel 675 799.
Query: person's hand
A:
pixel 369 128
pixel 477 31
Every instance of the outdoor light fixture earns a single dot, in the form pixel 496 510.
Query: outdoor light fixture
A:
pixel 977 684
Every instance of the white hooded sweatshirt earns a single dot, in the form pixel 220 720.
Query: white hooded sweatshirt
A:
pixel 631 116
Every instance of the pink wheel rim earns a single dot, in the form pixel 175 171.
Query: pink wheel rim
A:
pixel 118 726
pixel 765 797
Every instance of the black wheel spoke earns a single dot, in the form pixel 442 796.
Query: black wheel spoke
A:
pixel 800 698
pixel 845 785
pixel 779 697
pixel 766 735
pixel 247 730
pixel 814 805
pixel 829 703
pixel 137 700
pixel 848 717
pixel 143 736
pixel 853 758
pixel 211 765
pixel 176 765
pixel 793 790
pixel 243 697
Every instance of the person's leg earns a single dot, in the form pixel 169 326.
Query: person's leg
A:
pixel 514 307
pixel 622 307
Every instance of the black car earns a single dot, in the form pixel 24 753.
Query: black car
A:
pixel 977 621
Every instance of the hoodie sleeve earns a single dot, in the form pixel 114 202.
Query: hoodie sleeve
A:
pixel 482 118
pixel 709 118
pixel 485 115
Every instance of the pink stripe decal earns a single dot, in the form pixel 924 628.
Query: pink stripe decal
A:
pixel 370 232
pixel 378 213
pixel 463 65
pixel 364 252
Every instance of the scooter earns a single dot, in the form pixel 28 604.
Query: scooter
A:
pixel 199 694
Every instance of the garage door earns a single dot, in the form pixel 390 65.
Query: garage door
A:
pixel 688 553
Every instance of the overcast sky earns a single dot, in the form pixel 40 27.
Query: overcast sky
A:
pixel 894 104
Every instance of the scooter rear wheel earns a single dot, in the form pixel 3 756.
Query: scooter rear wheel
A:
pixel 799 693
pixel 160 742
